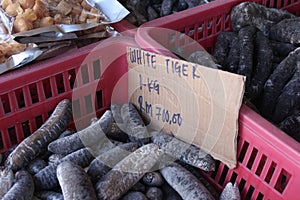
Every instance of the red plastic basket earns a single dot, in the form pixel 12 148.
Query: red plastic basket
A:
pixel 268 159
pixel 28 94
pixel 87 76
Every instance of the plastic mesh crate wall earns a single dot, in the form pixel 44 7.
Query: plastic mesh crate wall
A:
pixel 28 95
pixel 268 159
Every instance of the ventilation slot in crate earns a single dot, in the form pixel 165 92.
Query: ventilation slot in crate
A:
pixel 190 31
pixel 249 193
pixel 25 128
pixel 5 104
pixel 214 173
pixel 20 98
pixel 1 142
pixel 282 181
pixel 60 83
pixel 261 165
pixel 99 99
pixel 209 27
pixel 252 158
pixel 233 177
pixel 47 88
pixel 33 93
pixel 76 109
pixel 89 105
pixel 243 152
pixel 270 172
pixel 85 74
pixel 97 69
pixel 49 113
pixel 227 23
pixel 38 121
pixel 200 30
pixel 72 78
pixel 219 23
pixel 242 184
pixel 223 176
pixel 12 136
pixel 260 196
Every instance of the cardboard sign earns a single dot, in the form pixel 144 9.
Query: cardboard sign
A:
pixel 197 104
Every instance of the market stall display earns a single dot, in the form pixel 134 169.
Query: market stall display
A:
pixel 268 159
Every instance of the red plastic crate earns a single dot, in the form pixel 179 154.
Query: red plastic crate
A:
pixel 87 76
pixel 125 27
pixel 268 159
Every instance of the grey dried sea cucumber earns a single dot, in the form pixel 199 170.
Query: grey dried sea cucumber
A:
pixel 128 172
pixel 107 160
pixel 289 99
pixel 276 82
pixel 230 192
pixel 46 178
pixel 185 183
pixel 34 144
pixel 287 30
pixel 134 125
pixel 291 125
pixel 74 182
pixel 183 151
pixel 246 37
pixel 88 137
pixel 263 67
pixel 22 187
pixel 6 180
pixel 254 14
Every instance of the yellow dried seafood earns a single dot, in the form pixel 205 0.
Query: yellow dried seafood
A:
pixel 10 48
pixel 31 14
